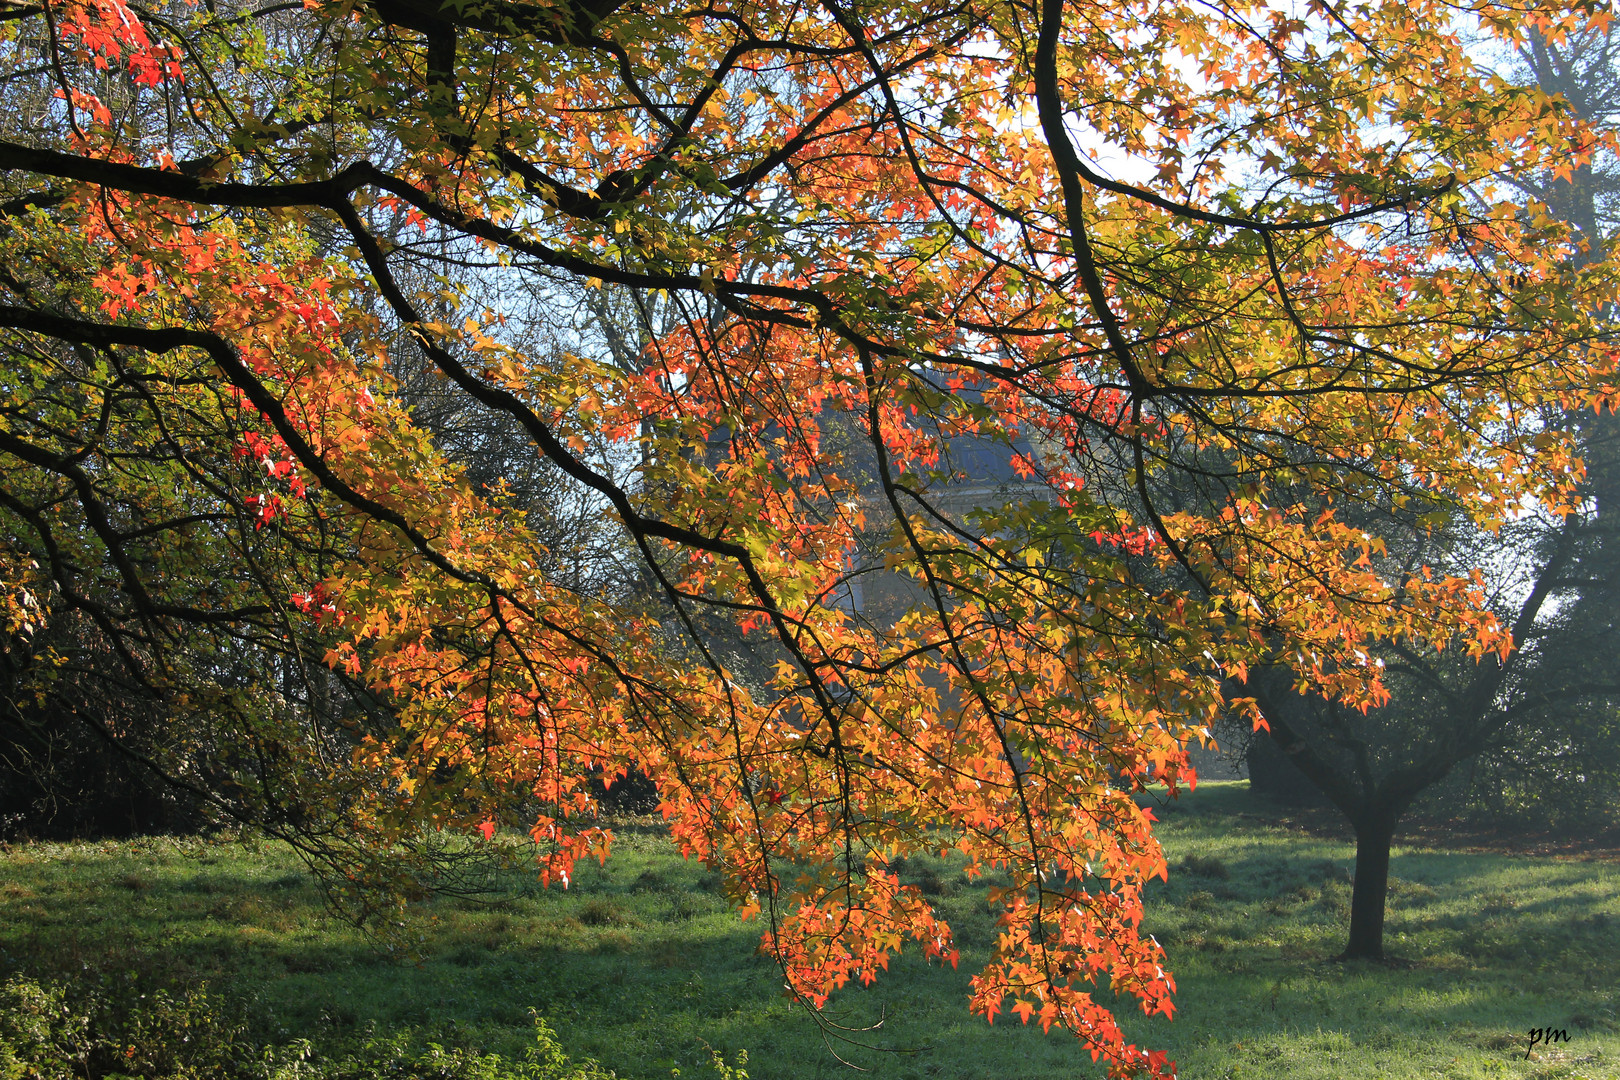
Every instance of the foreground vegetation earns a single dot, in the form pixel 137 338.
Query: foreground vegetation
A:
pixel 641 967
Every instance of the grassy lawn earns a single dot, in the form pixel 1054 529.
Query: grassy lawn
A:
pixel 641 966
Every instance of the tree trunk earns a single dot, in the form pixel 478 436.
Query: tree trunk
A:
pixel 1373 836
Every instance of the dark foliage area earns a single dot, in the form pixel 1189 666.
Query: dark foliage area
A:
pixel 128 1027
pixel 61 781
pixel 63 774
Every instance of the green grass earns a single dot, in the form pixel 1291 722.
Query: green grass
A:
pixel 641 966
pixel 1486 947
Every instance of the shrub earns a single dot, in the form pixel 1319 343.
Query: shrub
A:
pixel 119 1026
pixel 1209 867
pixel 394 1058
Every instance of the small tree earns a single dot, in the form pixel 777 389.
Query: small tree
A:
pixel 1547 709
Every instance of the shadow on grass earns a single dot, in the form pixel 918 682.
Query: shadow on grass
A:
pixel 642 966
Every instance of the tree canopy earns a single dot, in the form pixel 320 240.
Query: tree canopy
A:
pixel 726 282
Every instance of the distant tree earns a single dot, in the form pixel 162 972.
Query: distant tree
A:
pixel 1542 722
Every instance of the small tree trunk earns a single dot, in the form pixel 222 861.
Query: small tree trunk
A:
pixel 1367 895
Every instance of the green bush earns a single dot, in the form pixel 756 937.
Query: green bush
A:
pixel 118 1028
pixel 394 1058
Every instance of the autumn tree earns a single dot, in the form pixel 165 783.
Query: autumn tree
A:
pixel 232 233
